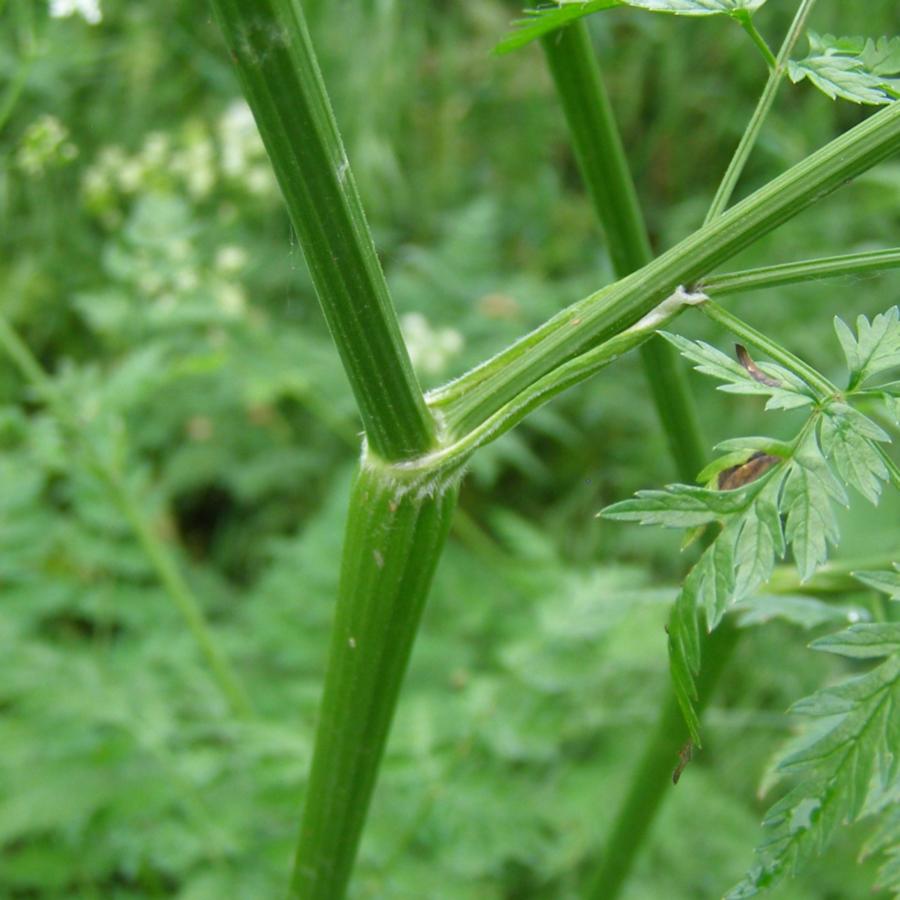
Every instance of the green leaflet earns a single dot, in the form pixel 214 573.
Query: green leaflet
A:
pixel 874 349
pixel 767 495
pixel 804 612
pixel 854 68
pixel 887 582
pixel 784 389
pixel 550 17
pixel 848 767
pixel 845 441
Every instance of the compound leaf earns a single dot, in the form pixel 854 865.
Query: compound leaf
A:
pixel 874 349
pixel 853 68
pixel 550 17
pixel 846 768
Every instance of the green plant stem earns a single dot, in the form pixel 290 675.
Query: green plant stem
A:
pixel 654 773
pixel 806 270
pixel 604 167
pixel 778 66
pixel 394 538
pixel 167 572
pixel 480 392
pixel 833 578
pixel 746 22
pixel 270 46
pixel 750 335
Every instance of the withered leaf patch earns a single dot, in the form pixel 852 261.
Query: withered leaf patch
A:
pixel 738 476
pixel 753 370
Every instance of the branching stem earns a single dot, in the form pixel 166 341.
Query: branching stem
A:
pixel 778 66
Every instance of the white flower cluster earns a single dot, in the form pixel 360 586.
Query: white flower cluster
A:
pixel 89 10
pixel 45 145
pixel 192 161
pixel 430 349
pixel 241 149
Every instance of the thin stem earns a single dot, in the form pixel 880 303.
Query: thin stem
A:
pixel 479 393
pixel 746 21
pixel 805 270
pixel 892 467
pixel 751 134
pixel 271 48
pixel 604 167
pixel 169 576
pixel 746 332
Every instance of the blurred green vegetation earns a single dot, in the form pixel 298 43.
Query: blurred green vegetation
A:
pixel 148 262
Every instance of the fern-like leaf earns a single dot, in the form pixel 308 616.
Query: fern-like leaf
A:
pixel 854 68
pixel 764 495
pixel 847 767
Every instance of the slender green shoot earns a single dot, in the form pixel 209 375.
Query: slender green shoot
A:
pixel 850 264
pixel 746 22
pixel 174 583
pixel 748 141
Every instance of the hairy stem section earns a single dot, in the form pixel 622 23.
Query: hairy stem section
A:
pixel 396 531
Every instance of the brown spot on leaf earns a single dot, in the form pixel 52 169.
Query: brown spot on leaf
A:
pixel 753 370
pixel 738 476
pixel 685 755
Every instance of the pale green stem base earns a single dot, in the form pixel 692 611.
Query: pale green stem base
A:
pixel 392 545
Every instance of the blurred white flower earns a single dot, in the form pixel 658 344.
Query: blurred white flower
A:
pixel 89 10
pixel 243 156
pixel 45 145
pixel 230 259
pixel 430 349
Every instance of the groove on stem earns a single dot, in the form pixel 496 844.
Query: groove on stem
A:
pixel 866 263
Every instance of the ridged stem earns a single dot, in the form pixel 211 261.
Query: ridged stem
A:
pixel 866 263
pixel 271 48
pixel 604 168
pixel 394 538
pixel 480 392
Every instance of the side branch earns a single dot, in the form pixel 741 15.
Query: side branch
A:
pixel 476 395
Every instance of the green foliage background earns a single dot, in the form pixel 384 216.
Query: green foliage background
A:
pixel 147 259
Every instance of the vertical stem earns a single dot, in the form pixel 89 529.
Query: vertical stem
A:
pixel 604 167
pixel 167 572
pixel 394 535
pixel 651 778
pixel 654 773
pixel 751 134
pixel 271 48
pixel 392 546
